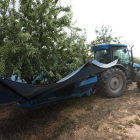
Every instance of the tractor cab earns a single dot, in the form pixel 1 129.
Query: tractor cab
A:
pixel 106 53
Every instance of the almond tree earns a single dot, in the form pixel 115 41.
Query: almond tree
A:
pixel 39 37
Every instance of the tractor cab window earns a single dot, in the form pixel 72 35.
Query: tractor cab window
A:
pixel 122 54
pixel 102 56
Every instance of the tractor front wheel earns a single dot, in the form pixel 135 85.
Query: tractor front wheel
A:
pixel 112 83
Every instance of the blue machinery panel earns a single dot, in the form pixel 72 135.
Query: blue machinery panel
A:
pixel 88 82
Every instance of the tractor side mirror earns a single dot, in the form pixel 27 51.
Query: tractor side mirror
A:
pixel 125 51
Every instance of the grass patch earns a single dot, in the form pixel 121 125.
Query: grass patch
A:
pixel 124 137
pixel 119 128
pixel 96 127
pixel 109 110
pixel 137 121
pixel 72 121
pixel 130 123
pixel 91 124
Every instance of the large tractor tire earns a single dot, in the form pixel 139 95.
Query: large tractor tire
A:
pixel 112 83
pixel 138 85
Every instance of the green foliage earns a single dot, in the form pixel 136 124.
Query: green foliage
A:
pixel 104 36
pixel 39 37
pixel 136 60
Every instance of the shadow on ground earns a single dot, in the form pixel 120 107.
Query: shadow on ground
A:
pixel 93 117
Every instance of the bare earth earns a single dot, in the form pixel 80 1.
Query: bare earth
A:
pixel 85 118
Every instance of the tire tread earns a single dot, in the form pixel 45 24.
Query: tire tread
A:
pixel 102 84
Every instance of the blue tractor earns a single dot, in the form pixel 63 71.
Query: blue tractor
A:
pixel 114 80
pixel 109 73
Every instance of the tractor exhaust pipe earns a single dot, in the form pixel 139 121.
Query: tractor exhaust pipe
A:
pixel 132 61
pixel 132 56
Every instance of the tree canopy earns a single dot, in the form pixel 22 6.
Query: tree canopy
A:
pixel 39 38
pixel 104 36
pixel 136 60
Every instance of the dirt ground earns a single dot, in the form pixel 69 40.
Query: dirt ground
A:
pixel 85 118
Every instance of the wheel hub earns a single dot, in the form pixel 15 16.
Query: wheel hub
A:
pixel 114 83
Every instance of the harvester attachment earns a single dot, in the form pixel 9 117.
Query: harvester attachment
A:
pixel 76 84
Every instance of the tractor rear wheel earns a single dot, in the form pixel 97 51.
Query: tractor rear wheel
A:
pixel 112 83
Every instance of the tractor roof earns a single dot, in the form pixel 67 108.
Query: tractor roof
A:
pixel 106 46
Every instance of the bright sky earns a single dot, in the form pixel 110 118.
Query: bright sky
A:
pixel 121 15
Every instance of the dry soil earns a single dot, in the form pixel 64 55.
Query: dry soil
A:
pixel 85 118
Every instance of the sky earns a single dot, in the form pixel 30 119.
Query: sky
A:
pixel 121 15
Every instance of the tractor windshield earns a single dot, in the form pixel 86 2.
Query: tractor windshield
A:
pixel 102 56
pixel 122 54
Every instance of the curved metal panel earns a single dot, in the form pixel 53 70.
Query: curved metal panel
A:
pixel 105 66
pixel 30 92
